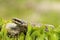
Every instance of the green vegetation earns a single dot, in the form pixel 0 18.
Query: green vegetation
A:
pixel 26 9
pixel 33 33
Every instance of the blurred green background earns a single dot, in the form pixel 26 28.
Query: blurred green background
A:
pixel 43 11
